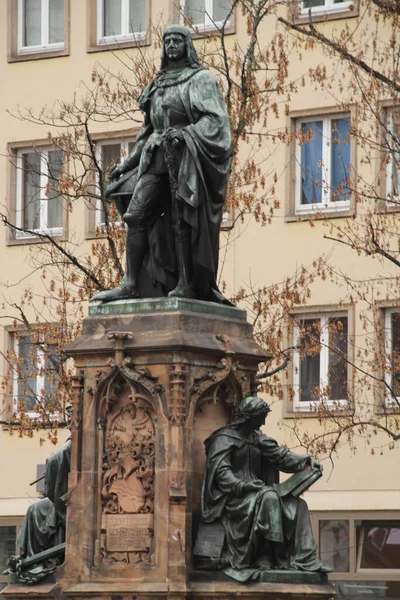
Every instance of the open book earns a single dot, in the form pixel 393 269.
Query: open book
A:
pixel 298 483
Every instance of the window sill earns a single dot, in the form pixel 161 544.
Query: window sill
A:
pixel 199 32
pixel 37 55
pixel 322 14
pixel 295 412
pixel 321 215
pixel 115 44
pixel 58 235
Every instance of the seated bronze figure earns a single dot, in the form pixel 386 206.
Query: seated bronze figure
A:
pixel 261 525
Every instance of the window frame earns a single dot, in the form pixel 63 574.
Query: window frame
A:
pixel 16 52
pixel 45 30
pixel 328 8
pixel 19 197
pixel 125 36
pixel 392 200
pixel 355 572
pixel 327 206
pixel 324 317
pixel 124 147
pixel 388 312
pixel 16 334
pixel 209 24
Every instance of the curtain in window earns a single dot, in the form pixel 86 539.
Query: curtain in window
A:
pixel 395 144
pixel 195 11
pixel 337 375
pixel 56 21
pixel 220 10
pixel 310 369
pixel 32 22
pixel 137 16
pixel 311 163
pixel 334 544
pixel 27 382
pixel 31 190
pixel 112 17
pixel 340 159
pixel 110 154
pixel 54 200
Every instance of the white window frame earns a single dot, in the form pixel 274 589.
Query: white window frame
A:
pixel 301 406
pixel 125 35
pixel 392 200
pixel 19 204
pixel 329 7
pixel 124 145
pixel 45 45
pixel 326 206
pixel 208 20
pixel 389 402
pixel 40 379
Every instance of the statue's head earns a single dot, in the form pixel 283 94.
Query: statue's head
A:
pixel 253 410
pixel 180 37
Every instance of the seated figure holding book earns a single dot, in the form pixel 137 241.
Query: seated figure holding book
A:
pixel 263 524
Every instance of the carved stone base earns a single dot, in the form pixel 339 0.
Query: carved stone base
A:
pixel 154 378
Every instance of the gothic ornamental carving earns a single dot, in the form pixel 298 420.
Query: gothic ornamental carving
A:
pixel 127 473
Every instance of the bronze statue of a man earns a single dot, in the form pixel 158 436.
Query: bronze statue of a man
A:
pixel 178 172
pixel 264 525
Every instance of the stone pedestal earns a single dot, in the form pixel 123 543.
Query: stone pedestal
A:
pixel 153 379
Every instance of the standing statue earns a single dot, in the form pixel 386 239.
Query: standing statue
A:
pixel 171 188
pixel 262 524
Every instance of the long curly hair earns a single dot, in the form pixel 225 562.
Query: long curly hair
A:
pixel 191 54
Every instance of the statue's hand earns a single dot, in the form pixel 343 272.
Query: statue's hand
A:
pixel 116 171
pixel 253 486
pixel 174 136
pixel 314 464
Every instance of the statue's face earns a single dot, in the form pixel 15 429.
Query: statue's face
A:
pixel 257 421
pixel 175 47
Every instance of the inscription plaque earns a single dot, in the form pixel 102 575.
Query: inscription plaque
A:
pixel 210 540
pixel 128 533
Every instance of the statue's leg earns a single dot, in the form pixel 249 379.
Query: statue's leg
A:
pixel 184 287
pixel 144 208
pixel 304 555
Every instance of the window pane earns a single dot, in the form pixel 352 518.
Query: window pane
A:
pixel 112 17
pixel 337 374
pixel 51 376
pixel 31 190
pixel 313 3
pixel 137 16
pixel 8 535
pixel 379 545
pixel 395 359
pixel 340 159
pixel 55 200
pixel 394 142
pixel 32 22
pixel 56 21
pixel 310 362
pixel 334 545
pixel 195 11
pixel 27 382
pixel 220 10
pixel 110 154
pixel 311 163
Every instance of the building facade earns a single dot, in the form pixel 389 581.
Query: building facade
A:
pixel 321 153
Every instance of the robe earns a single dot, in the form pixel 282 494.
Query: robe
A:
pixel 255 521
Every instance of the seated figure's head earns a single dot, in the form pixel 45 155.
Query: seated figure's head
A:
pixel 253 410
pixel 177 45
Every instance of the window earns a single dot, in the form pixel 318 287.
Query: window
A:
pixel 39 206
pixel 206 14
pixel 393 161
pixel 323 7
pixel 40 26
pixel 322 164
pixel 392 351
pixel 121 20
pixel 363 549
pixel 320 363
pixel 108 153
pixel 9 529
pixel 36 373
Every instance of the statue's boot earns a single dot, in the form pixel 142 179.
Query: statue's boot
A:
pixel 136 246
pixel 184 287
